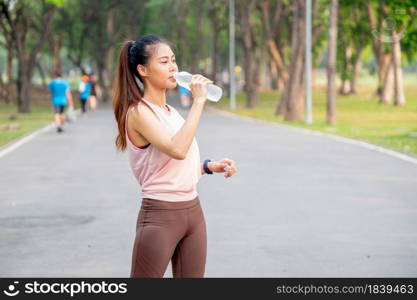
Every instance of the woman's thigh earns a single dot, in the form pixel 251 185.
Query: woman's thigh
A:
pixel 157 235
pixel 189 259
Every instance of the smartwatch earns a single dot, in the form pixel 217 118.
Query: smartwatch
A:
pixel 205 167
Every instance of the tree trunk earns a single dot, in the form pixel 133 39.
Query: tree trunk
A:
pixel 245 10
pixel 109 58
pixel 215 57
pixel 273 74
pixel 282 105
pixel 388 85
pixel 277 59
pixel 357 66
pixel 345 87
pixel 295 100
pixel 27 59
pixel 280 69
pixel 104 60
pixel 331 64
pixel 56 44
pixel 216 51
pixel 23 86
pixel 2 89
pixel 346 71
pixel 8 86
pixel 382 58
pixel 399 99
pixel 41 73
pixel 293 95
pixel 383 65
pixel 101 81
pixel 249 87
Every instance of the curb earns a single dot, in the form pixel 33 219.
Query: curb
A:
pixel 411 158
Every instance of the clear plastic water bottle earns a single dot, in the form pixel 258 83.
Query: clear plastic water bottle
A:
pixel 214 93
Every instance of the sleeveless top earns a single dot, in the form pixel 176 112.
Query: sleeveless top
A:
pixel 160 176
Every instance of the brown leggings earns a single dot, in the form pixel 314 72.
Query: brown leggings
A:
pixel 167 231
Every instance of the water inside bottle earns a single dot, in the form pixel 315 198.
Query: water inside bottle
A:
pixel 214 93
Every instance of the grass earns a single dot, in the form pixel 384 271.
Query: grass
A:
pixel 41 115
pixel 359 116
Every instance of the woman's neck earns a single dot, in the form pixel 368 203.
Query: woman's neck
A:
pixel 157 97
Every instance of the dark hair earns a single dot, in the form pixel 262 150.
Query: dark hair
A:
pixel 126 91
pixel 58 74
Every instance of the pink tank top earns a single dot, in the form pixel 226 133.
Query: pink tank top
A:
pixel 162 177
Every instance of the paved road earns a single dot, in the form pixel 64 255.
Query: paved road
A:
pixel 301 205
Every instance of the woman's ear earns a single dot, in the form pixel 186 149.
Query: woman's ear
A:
pixel 142 70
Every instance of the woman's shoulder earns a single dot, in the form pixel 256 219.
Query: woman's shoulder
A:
pixel 140 110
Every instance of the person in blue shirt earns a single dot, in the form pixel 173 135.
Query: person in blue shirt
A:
pixel 84 88
pixel 60 97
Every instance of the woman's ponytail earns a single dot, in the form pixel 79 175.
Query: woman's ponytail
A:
pixel 125 93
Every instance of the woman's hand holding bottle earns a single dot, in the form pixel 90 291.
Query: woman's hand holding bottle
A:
pixel 198 88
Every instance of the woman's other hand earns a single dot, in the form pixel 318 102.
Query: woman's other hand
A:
pixel 226 166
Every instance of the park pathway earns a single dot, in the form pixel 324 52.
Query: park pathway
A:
pixel 301 205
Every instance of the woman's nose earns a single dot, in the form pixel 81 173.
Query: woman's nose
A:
pixel 173 68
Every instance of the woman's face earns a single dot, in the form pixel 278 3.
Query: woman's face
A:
pixel 161 66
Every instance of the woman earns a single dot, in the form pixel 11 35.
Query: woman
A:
pixel 165 159
pixel 84 87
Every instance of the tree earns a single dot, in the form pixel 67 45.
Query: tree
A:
pixel 249 45
pixel 274 33
pixel 390 21
pixel 218 18
pixel 107 34
pixel 351 43
pixel 6 88
pixel 331 64
pixel 28 25
pixel 291 101
pixel 280 31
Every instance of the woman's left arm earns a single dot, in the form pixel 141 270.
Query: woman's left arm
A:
pixel 226 166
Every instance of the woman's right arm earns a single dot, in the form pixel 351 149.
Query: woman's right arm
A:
pixel 184 137
pixel 177 146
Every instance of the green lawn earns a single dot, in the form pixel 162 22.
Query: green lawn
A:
pixel 358 116
pixel 41 115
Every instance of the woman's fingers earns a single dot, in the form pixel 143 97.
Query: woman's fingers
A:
pixel 230 162
pixel 230 169
pixel 198 86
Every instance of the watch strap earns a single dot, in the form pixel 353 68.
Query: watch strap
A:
pixel 205 166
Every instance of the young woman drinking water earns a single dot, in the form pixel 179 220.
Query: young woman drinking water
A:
pixel 165 159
